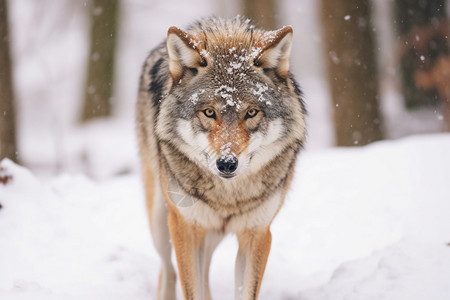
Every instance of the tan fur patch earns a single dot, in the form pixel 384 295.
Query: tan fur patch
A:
pixel 226 141
pixel 149 183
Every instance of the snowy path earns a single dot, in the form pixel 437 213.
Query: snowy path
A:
pixel 365 223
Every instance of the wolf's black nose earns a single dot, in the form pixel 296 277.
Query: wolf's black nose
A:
pixel 227 164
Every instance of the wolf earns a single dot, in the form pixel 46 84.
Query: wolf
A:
pixel 220 121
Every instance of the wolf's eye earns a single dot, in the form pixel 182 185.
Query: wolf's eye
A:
pixel 251 113
pixel 209 113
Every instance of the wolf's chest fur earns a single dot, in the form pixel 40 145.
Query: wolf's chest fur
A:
pixel 197 191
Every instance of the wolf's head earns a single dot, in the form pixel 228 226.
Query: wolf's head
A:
pixel 230 103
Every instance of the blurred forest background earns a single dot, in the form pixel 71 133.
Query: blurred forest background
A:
pixel 69 71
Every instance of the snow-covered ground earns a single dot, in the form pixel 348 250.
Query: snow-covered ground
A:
pixel 364 223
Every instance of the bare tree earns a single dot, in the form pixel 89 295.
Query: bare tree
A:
pixel 352 71
pixel 99 84
pixel 423 40
pixel 8 146
pixel 263 12
pixel 424 56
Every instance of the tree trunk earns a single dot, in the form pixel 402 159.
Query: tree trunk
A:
pixel 8 146
pixel 263 12
pixel 411 16
pixel 99 85
pixel 352 71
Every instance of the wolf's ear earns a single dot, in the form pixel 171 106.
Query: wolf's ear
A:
pixel 184 52
pixel 275 50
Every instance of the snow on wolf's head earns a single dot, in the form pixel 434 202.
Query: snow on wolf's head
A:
pixel 232 104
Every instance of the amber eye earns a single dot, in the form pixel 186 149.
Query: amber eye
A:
pixel 251 113
pixel 209 113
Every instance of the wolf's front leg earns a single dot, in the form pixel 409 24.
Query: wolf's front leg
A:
pixel 194 246
pixel 254 248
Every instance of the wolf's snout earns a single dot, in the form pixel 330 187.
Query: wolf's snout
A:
pixel 227 164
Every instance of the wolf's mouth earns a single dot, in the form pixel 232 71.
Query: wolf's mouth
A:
pixel 228 176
